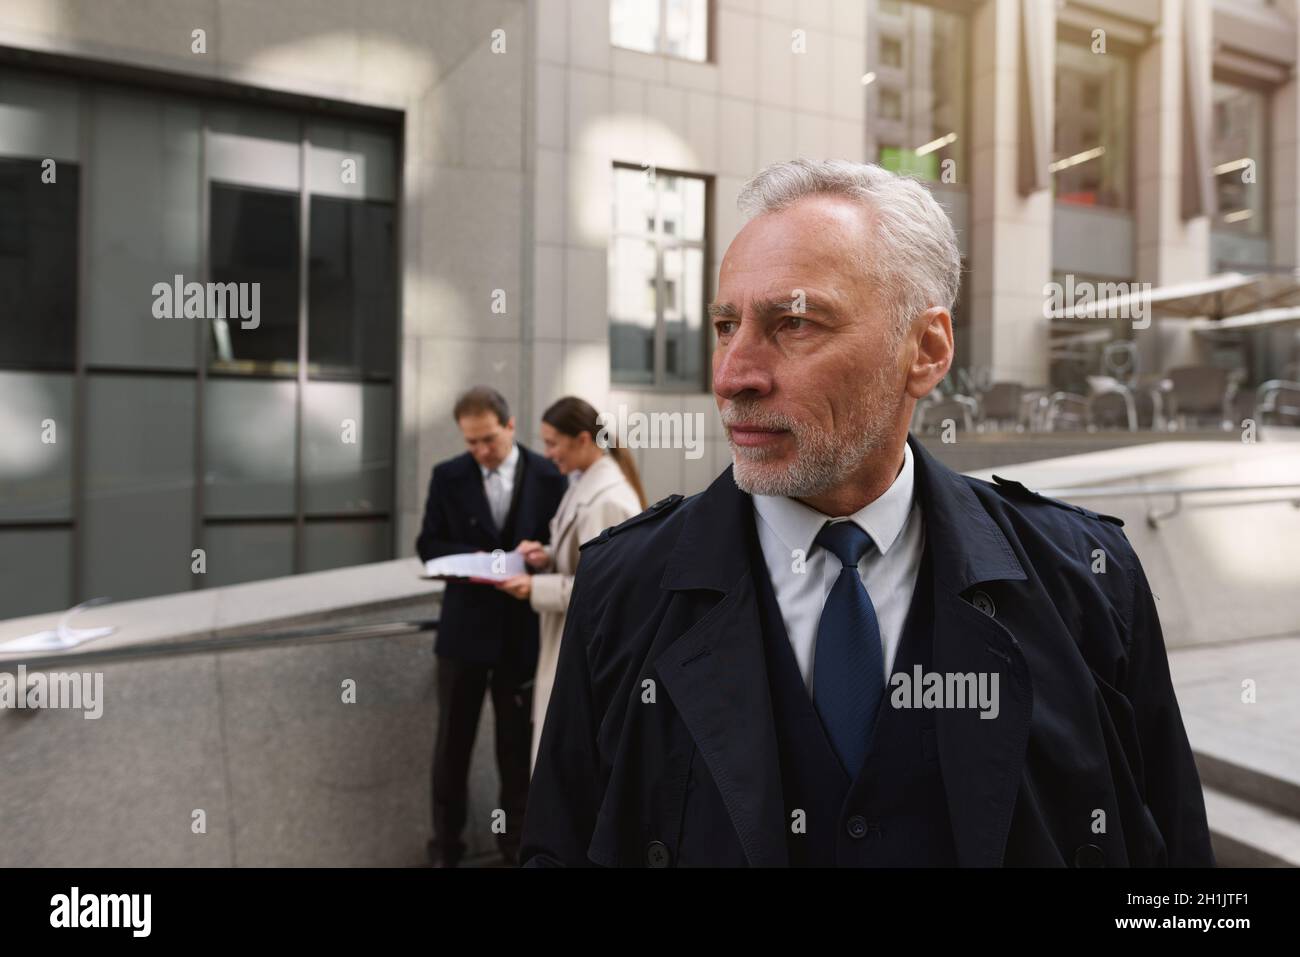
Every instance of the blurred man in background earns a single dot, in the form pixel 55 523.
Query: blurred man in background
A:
pixel 491 497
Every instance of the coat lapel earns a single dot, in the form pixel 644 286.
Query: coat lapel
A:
pixel 716 675
pixel 476 498
pixel 982 759
pixel 521 498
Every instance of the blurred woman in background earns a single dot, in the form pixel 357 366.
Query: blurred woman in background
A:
pixel 604 490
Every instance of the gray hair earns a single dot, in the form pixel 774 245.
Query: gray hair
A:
pixel 915 253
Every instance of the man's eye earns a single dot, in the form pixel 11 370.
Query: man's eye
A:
pixel 795 322
pixel 724 328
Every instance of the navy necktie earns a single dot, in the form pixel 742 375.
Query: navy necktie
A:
pixel 848 664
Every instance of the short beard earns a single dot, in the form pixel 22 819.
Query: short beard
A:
pixel 822 459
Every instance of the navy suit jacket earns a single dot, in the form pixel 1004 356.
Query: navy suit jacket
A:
pixel 662 698
pixel 478 623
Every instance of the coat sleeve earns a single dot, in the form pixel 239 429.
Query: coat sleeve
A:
pixel 434 539
pixel 569 778
pixel 551 592
pixel 1173 788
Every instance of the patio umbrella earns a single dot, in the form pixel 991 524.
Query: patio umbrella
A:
pixel 1285 316
pixel 1226 294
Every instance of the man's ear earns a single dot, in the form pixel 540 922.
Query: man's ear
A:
pixel 931 350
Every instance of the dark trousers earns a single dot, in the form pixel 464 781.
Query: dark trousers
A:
pixel 461 685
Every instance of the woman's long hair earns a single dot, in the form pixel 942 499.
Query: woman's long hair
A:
pixel 572 416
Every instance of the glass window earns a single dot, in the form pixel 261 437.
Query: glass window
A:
pixel 145 197
pixel 657 279
pixel 254 245
pixel 891 51
pixel 1239 139
pixel 633 292
pixel 38 264
pixel 1091 154
pixel 683 316
pixel 36 454
pixel 891 104
pixel 39 117
pixel 329 545
pixel 352 286
pixel 137 534
pixel 916 103
pixel 249 471
pixel 171 183
pixel 354 163
pixel 675 27
pixel 238 552
pixel 37 565
pixel 347 448
pixel 251 147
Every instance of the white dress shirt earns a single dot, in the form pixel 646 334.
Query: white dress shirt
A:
pixel 888 570
pixel 499 486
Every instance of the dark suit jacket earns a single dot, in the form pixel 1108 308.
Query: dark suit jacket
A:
pixel 478 623
pixel 1088 717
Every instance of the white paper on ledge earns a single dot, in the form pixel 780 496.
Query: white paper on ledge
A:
pixel 496 566
pixel 60 638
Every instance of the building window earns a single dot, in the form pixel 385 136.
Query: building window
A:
pixel 38 264
pixel 195 210
pixel 253 238
pixel 916 89
pixel 891 104
pixel 1091 155
pixel 657 279
pixel 891 52
pixel 677 28
pixel 352 287
pixel 1238 152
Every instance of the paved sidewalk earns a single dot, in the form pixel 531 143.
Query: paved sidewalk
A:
pixel 1248 752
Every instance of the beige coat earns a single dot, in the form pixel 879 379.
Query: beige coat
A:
pixel 600 498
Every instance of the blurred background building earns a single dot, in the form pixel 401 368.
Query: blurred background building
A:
pixel 536 195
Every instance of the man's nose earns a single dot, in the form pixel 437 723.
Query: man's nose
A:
pixel 743 365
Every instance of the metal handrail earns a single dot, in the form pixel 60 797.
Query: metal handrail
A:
pixel 1154 518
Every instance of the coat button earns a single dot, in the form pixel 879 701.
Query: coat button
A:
pixel 857 826
pixel 984 603
pixel 656 854
pixel 1089 855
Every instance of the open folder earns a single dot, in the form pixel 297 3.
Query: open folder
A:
pixel 493 566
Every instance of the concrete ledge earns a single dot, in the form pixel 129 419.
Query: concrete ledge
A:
pixel 335 597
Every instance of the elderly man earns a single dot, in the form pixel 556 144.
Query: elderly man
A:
pixel 842 652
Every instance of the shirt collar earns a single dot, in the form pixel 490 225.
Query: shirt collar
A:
pixel 507 467
pixel 797 524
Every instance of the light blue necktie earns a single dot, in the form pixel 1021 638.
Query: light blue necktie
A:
pixel 848 668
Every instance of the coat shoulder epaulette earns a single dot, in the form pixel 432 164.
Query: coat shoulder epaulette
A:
pixel 659 508
pixel 1017 489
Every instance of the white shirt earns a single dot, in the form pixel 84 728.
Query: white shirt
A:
pixel 499 486
pixel 888 571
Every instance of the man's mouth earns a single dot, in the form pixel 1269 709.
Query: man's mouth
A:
pixel 752 436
